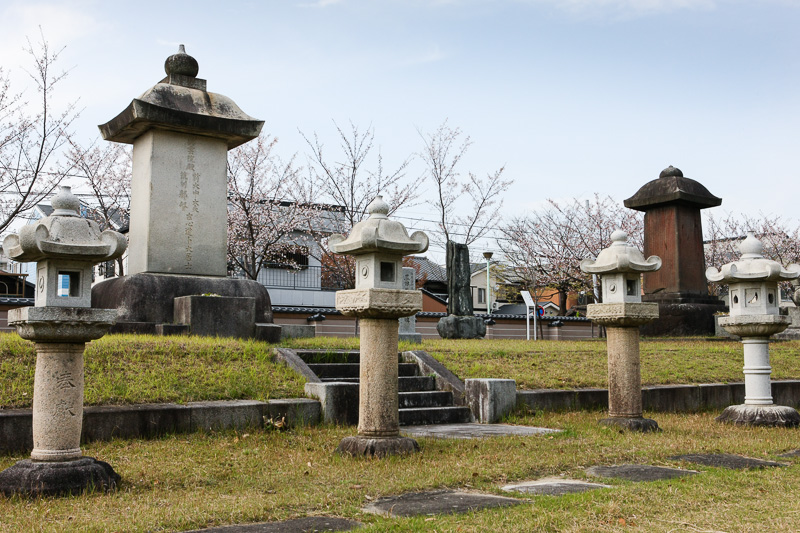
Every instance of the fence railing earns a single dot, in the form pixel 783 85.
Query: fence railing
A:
pixel 304 278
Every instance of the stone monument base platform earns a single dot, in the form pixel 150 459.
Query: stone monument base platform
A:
pixel 33 478
pixel 377 447
pixel 760 415
pixel 218 306
pixel 682 316
pixel 637 423
pixel 461 327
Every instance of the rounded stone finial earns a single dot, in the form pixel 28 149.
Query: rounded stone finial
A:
pixel 66 204
pixel 378 207
pixel 182 64
pixel 671 171
pixel 751 247
pixel 619 236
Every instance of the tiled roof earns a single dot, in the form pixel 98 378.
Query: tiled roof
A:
pixel 427 267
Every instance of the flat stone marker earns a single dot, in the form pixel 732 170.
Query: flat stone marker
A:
pixel 473 431
pixel 638 472
pixel 791 454
pixel 298 525
pixel 438 502
pixel 553 486
pixel 725 460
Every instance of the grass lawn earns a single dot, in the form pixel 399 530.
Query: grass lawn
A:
pixel 143 369
pixel 190 481
pixel 571 364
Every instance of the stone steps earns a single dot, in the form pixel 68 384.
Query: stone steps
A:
pixel 350 370
pixel 420 403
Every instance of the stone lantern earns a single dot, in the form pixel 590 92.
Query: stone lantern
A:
pixel 754 316
pixel 622 312
pixel 65 246
pixel 378 245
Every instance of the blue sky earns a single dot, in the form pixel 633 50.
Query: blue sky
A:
pixel 572 96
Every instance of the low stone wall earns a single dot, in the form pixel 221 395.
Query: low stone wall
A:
pixel 152 420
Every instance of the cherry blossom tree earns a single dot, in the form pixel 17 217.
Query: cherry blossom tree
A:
pixel 467 207
pixel 267 209
pixel 545 247
pixel 32 135
pixel 345 183
pixel 107 172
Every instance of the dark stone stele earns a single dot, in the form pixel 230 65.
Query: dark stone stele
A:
pixel 636 423
pixel 308 524
pixel 638 472
pixel 145 300
pixel 34 478
pixel 725 460
pixel 459 295
pixel 438 502
pixel 673 231
pixel 377 447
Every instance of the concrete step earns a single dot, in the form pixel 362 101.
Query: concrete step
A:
pixel 350 370
pixel 328 356
pixel 417 383
pixel 426 399
pixel 434 415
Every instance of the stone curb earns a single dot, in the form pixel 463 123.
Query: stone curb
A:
pixel 665 398
pixel 106 422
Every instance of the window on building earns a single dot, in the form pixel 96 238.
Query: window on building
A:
pixel 481 296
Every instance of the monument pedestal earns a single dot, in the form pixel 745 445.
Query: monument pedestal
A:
pixel 461 327
pixel 682 315
pixel 144 301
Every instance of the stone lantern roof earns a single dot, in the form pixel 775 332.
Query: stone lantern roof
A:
pixel 672 188
pixel 620 257
pixel 181 103
pixel 752 266
pixel 378 234
pixel 64 235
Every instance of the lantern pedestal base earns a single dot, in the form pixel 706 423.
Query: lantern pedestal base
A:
pixel 33 478
pixel 760 415
pixel 636 423
pixel 377 447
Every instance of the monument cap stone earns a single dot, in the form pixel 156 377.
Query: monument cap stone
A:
pixel 181 103
pixel 671 187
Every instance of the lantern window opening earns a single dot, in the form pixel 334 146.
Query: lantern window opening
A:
pixel 631 287
pixel 387 272
pixel 69 284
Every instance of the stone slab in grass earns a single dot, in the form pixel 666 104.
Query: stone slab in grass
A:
pixel 553 486
pixel 473 431
pixel 791 454
pixel 298 525
pixel 725 460
pixel 438 502
pixel 638 472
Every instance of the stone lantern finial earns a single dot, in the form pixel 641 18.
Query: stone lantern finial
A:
pixel 181 64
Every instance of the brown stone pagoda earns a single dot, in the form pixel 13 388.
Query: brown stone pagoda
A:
pixel 673 231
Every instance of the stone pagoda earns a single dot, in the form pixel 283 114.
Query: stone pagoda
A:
pixel 378 246
pixel 754 316
pixel 620 267
pixel 673 231
pixel 65 247
pixel 181 134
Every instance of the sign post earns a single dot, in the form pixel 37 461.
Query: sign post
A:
pixel 529 303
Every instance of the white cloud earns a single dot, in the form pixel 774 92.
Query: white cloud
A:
pixel 628 7
pixel 320 3
pixel 432 55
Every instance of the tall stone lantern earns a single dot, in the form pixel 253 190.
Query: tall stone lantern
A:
pixel 754 316
pixel 378 245
pixel 620 267
pixel 66 247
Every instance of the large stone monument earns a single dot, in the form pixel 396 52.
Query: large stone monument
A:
pixel 620 267
pixel 460 322
pixel 673 231
pixel 378 245
pixel 66 247
pixel 181 134
pixel 754 316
